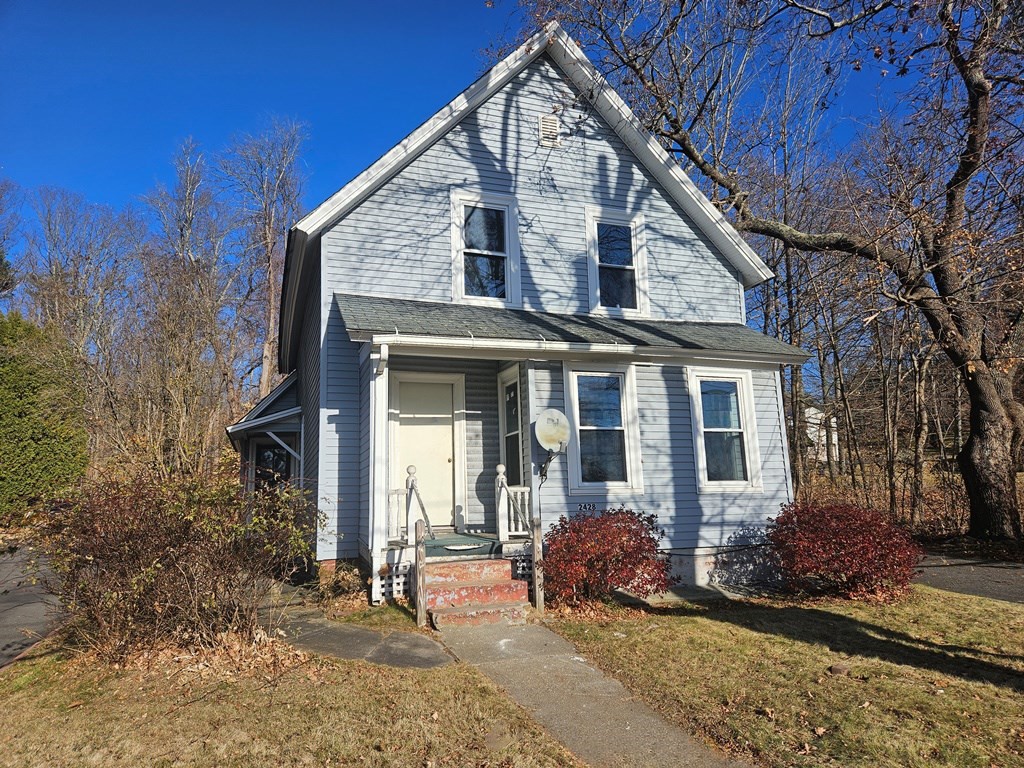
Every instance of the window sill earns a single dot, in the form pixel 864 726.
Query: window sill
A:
pixel 627 314
pixel 730 488
pixel 485 301
pixel 604 489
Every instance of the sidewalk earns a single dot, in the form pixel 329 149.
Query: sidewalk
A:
pixel 27 610
pixel 591 714
pixel 308 630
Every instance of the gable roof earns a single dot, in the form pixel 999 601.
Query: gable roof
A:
pixel 398 320
pixel 578 69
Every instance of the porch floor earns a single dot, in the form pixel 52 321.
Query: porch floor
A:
pixel 462 545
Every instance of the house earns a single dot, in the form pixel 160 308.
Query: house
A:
pixel 529 247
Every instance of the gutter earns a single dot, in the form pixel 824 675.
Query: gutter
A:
pixel 523 349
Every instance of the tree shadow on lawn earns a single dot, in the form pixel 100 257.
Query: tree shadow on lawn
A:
pixel 842 634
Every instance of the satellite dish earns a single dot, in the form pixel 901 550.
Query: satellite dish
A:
pixel 552 430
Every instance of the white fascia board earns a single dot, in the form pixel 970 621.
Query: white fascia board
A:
pixel 281 416
pixel 584 75
pixel 423 137
pixel 522 349
pixel 570 58
pixel 295 255
pixel 263 404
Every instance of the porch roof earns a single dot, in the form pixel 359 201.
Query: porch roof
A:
pixel 365 317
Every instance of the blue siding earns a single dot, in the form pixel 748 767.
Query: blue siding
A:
pixel 690 519
pixel 340 444
pixel 309 386
pixel 398 242
pixel 365 380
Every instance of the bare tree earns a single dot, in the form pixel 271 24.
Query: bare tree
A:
pixel 932 198
pixel 261 171
pixel 9 223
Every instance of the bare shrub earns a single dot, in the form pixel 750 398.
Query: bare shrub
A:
pixel 140 561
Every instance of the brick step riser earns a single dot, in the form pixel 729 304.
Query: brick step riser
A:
pixel 474 616
pixel 454 595
pixel 474 570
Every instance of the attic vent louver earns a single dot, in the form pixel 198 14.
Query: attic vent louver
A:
pixel 550 130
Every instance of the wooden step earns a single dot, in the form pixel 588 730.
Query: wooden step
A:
pixel 472 615
pixel 468 570
pixel 458 593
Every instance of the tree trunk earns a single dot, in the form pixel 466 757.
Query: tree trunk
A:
pixel 987 462
pixel 921 365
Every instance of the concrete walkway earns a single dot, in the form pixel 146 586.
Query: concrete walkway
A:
pixel 591 714
pixel 308 630
pixel 27 610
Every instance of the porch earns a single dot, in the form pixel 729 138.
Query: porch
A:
pixel 450 451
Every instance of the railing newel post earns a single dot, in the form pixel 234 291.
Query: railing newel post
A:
pixel 537 545
pixel 421 575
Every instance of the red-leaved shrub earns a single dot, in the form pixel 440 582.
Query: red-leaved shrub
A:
pixel 590 555
pixel 844 550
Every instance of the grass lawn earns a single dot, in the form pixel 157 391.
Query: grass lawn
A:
pixel 58 711
pixel 936 680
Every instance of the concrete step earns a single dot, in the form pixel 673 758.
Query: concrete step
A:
pixel 472 615
pixel 468 570
pixel 453 594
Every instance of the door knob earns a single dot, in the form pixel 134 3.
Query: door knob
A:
pixel 449 459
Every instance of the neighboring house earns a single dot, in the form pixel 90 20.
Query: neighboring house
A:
pixel 528 247
pixel 822 436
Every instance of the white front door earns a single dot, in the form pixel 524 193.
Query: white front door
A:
pixel 426 438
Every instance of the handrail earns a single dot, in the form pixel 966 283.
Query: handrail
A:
pixel 412 488
pixel 506 500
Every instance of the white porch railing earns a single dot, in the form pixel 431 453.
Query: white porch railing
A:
pixel 513 505
pixel 405 507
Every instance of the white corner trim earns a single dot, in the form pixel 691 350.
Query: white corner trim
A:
pixel 631 429
pixel 748 424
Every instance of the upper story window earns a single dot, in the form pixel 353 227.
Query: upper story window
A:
pixel 618 262
pixel 606 451
pixel 485 267
pixel 724 431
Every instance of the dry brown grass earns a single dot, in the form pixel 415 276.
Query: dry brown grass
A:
pixel 935 680
pixel 187 709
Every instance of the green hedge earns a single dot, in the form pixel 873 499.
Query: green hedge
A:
pixel 42 424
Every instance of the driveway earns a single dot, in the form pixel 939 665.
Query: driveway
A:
pixel 974 576
pixel 26 608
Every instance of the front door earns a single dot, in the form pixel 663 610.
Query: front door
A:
pixel 426 439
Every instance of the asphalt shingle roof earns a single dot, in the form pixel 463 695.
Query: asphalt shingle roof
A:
pixel 364 316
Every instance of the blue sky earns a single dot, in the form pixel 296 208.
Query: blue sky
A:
pixel 96 97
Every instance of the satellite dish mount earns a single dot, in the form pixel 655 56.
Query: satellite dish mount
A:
pixel 552 430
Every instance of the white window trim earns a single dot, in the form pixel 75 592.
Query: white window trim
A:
pixel 630 421
pixel 748 424
pixel 462 198
pixel 637 227
pixel 506 377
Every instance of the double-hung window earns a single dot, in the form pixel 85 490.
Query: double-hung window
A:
pixel 605 453
pixel 486 253
pixel 511 426
pixel 618 263
pixel 725 434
